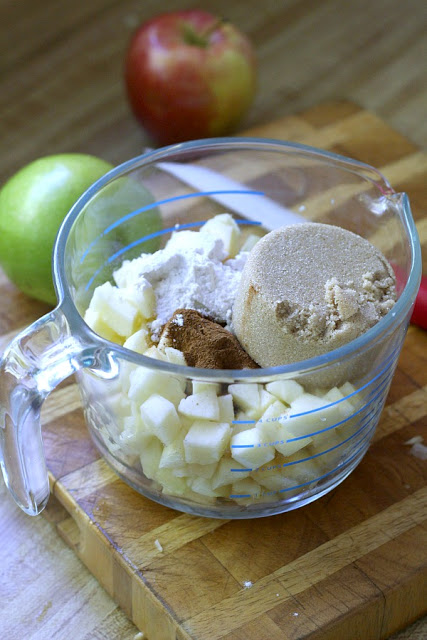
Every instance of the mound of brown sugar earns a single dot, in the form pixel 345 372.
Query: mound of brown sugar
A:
pixel 204 343
pixel 307 289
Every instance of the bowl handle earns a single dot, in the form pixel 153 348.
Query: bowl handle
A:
pixel 34 363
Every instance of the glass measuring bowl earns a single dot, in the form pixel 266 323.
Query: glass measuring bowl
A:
pixel 262 450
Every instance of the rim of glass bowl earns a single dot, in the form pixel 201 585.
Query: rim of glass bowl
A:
pixel 385 325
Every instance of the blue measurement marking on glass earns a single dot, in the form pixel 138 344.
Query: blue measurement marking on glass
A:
pixel 239 470
pixel 325 475
pixel 155 234
pixel 240 495
pixel 367 420
pixel 242 446
pixel 243 421
pixel 313 480
pixel 147 207
pixel 379 391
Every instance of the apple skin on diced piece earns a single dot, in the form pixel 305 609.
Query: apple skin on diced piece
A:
pixel 160 418
pixel 206 441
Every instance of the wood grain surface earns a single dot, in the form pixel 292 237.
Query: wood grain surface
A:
pixel 61 90
pixel 352 564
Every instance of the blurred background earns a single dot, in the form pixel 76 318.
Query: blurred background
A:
pixel 61 67
pixel 62 90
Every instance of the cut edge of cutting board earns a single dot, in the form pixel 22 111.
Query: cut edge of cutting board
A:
pixel 392 606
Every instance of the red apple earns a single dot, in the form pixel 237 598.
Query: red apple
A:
pixel 189 75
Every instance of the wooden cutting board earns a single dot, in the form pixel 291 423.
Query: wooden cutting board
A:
pixel 351 565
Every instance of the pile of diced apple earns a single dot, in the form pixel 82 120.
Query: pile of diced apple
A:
pixel 246 442
pixel 204 441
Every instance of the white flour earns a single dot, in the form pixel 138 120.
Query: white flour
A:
pixel 190 272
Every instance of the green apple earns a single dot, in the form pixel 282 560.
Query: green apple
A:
pixel 114 222
pixel 33 203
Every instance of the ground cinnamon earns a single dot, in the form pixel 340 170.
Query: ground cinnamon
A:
pixel 205 343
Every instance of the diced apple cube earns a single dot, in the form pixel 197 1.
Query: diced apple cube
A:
pixel 198 498
pixel 171 484
pixel 129 273
pixel 274 429
pixel 206 441
pixel 204 487
pixel 265 400
pixel 285 390
pixel 154 352
pixel 203 405
pixel 275 480
pixel 246 396
pixel 343 406
pixel 150 457
pixel 145 382
pixel 250 242
pixel 115 310
pixel 96 322
pixel 138 341
pixel 201 470
pixel 133 438
pixel 227 472
pixel 302 470
pixel 160 418
pixel 173 455
pixel 119 404
pixel 248 448
pixel 202 385
pixel 329 446
pixel 226 408
pixel 238 428
pixel 247 487
pixel 141 295
pixel 305 416
pixel 349 389
pixel 223 226
pixel 175 356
